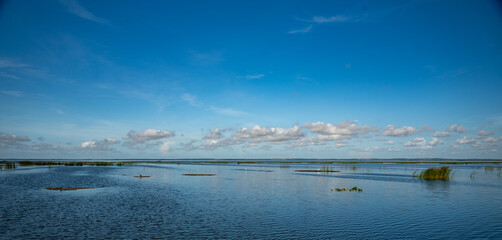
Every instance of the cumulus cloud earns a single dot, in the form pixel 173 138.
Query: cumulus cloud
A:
pixel 456 128
pixel 215 134
pixel 259 134
pixel 96 145
pixel 133 138
pixel 392 131
pixel 343 128
pixel 491 140
pixel 389 142
pixel 148 135
pixel 442 134
pixel 417 142
pixel 13 140
pixel 434 142
pixel 483 133
pixel 466 140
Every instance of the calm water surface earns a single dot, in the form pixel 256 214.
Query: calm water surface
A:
pixel 249 201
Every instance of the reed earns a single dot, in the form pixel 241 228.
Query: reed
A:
pixel 442 173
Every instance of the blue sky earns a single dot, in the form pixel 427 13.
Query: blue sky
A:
pixel 255 79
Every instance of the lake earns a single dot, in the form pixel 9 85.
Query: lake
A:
pixel 251 201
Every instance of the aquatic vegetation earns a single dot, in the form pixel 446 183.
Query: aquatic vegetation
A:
pixel 354 168
pixel 442 173
pixel 69 188
pixel 141 176
pixel 350 190
pixel 198 174
pixel 284 166
pixel 7 165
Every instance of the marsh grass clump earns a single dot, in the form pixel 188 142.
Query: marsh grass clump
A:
pixel 442 173
pixel 347 189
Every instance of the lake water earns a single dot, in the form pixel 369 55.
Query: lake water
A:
pixel 251 201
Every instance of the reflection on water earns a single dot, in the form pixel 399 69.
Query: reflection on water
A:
pixel 265 200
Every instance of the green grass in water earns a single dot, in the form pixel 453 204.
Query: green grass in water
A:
pixel 442 173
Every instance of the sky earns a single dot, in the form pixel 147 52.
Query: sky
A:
pixel 250 79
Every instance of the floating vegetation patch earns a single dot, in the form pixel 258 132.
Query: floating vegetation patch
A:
pixel 141 176
pixel 284 166
pixel 69 188
pixel 198 174
pixel 7 165
pixel 354 189
pixel 442 173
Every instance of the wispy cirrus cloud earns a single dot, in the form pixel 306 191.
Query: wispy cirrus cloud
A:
pixel 317 20
pixel 255 76
pixel 190 99
pixel 13 93
pixel 302 30
pixel 229 111
pixel 74 7
pixel 338 18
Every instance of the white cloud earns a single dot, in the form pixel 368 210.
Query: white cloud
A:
pixel 442 134
pixel 165 147
pixel 214 135
pixel 256 76
pixel 343 128
pixel 13 140
pixel 303 30
pixel 74 7
pixel 389 142
pixel 229 112
pixel 466 140
pixel 491 140
pixel 190 99
pixel 99 145
pixel 392 131
pixel 9 63
pixel 148 135
pixel 321 19
pixel 456 128
pixel 417 142
pixel 259 134
pixel 483 133
pixel 434 142
pixel 13 93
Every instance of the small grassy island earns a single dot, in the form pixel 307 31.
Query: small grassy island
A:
pixel 442 173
